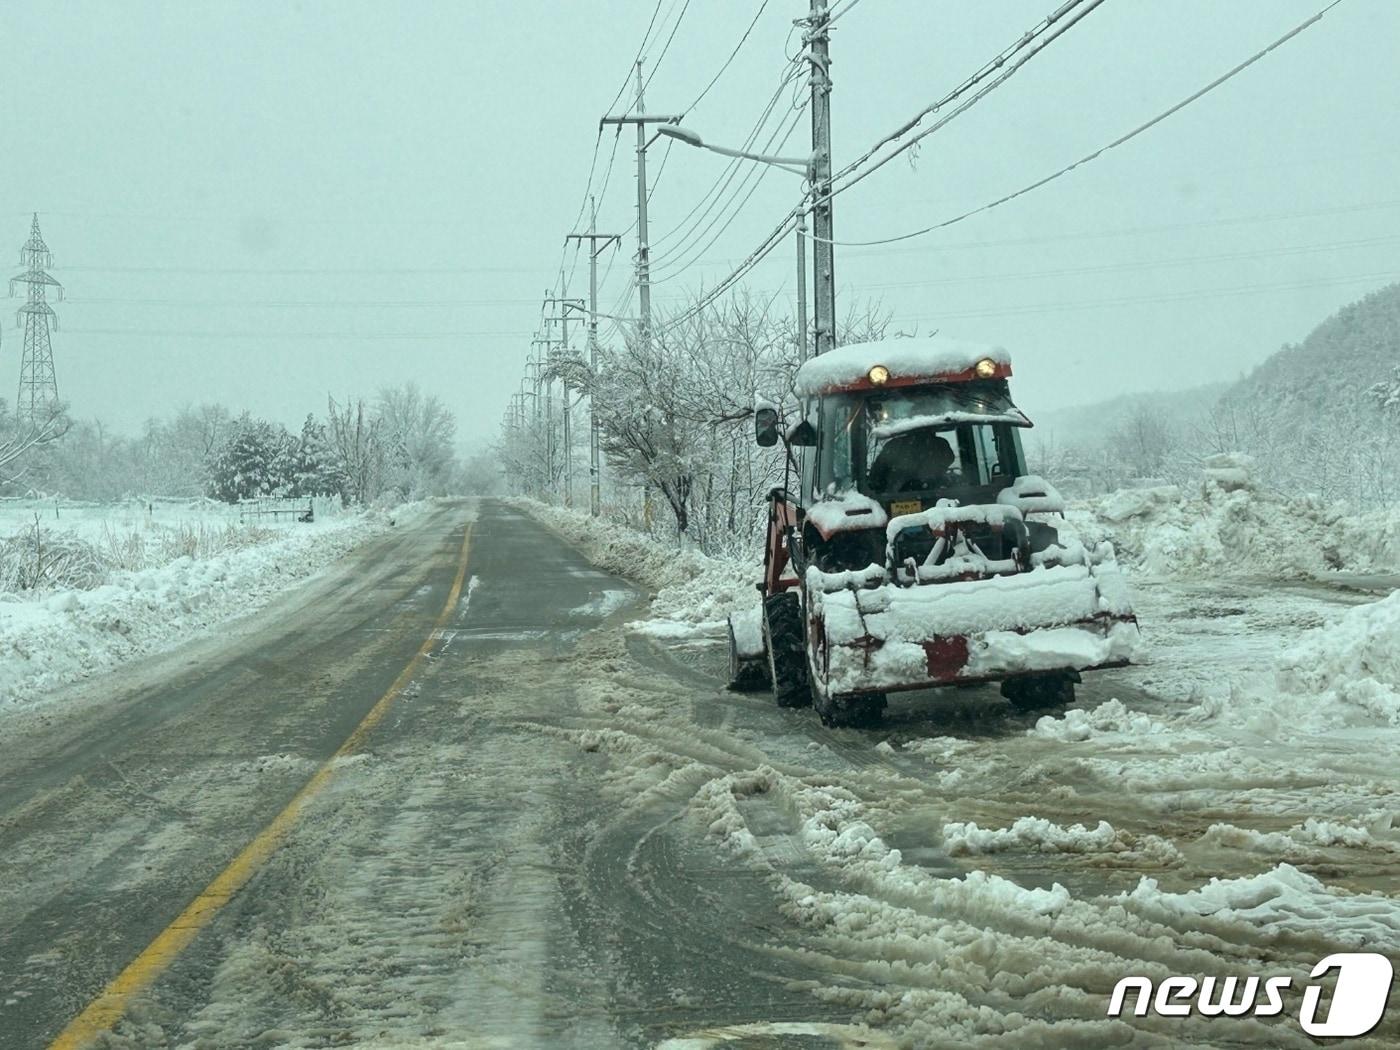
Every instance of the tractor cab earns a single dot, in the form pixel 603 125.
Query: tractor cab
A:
pixel 910 446
pixel 909 546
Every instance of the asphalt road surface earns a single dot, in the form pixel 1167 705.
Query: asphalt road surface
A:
pixel 441 798
pixel 460 877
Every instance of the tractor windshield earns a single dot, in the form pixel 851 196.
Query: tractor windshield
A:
pixel 951 441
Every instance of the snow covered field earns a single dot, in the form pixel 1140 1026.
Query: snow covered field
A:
pixel 1228 806
pixel 84 588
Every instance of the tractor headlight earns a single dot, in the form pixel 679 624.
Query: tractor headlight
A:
pixel 986 368
pixel 879 375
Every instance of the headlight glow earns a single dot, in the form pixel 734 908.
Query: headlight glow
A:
pixel 986 368
pixel 879 375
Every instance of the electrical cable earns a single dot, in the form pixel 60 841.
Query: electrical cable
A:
pixel 757 174
pixel 725 65
pixel 1103 149
pixel 1052 27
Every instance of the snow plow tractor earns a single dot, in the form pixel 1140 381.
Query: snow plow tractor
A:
pixel 908 548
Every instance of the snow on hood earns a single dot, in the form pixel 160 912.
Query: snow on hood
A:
pixel 848 510
pixel 928 356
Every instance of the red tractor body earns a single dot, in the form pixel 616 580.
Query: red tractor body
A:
pixel 916 551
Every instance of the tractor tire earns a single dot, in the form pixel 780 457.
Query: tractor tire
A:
pixel 1034 692
pixel 851 712
pixel 784 638
pixel 747 673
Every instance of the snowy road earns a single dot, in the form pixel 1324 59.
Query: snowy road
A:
pixel 567 834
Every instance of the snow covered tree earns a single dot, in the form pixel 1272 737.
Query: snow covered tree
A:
pixel 675 412
pixel 23 445
pixel 316 470
pixel 258 459
pixel 417 432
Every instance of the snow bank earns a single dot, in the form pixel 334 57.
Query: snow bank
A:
pixel 1229 525
pixel 694 593
pixel 1353 663
pixel 48 638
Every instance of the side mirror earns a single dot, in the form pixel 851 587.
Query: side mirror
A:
pixel 765 426
pixel 804 435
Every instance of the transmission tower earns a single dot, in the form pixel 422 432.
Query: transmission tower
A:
pixel 38 387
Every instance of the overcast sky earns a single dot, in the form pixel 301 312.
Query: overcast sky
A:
pixel 261 203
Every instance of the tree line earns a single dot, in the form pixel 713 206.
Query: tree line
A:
pixel 398 445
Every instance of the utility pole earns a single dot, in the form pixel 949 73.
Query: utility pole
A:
pixel 534 362
pixel 38 386
pixel 823 275
pixel 594 248
pixel 641 119
pixel 564 359
pixel 545 373
pixel 801 287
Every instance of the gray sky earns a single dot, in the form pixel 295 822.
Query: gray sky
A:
pixel 260 203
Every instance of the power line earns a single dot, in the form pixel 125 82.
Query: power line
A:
pixel 756 175
pixel 337 304
pixel 725 65
pixel 266 336
pixel 1156 264
pixel 1028 41
pixel 1103 149
pixel 711 196
pixel 598 138
pixel 1170 297
pixel 756 256
pixel 666 46
pixel 831 21
pixel 1052 27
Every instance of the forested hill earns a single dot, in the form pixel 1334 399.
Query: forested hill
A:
pixel 1338 366
pixel 1323 415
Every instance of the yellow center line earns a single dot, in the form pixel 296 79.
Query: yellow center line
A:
pixel 102 1014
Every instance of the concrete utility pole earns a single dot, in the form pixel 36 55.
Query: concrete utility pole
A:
pixel 823 270
pixel 801 287
pixel 593 237
pixel 542 375
pixel 641 119
pixel 532 362
pixel 564 357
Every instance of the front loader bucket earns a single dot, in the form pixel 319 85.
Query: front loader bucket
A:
pixel 887 638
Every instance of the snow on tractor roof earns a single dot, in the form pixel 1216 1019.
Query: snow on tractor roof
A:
pixel 908 361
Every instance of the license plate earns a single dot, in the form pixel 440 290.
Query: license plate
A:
pixel 905 506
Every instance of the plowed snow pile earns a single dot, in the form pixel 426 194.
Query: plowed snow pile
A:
pixel 1229 525
pixel 1353 663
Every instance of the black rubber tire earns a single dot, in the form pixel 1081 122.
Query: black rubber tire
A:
pixel 786 641
pixel 1033 692
pixel 851 712
pixel 746 674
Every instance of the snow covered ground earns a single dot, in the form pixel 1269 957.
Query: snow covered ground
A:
pixel 106 583
pixel 969 877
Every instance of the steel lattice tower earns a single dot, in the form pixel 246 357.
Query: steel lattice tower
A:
pixel 38 386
